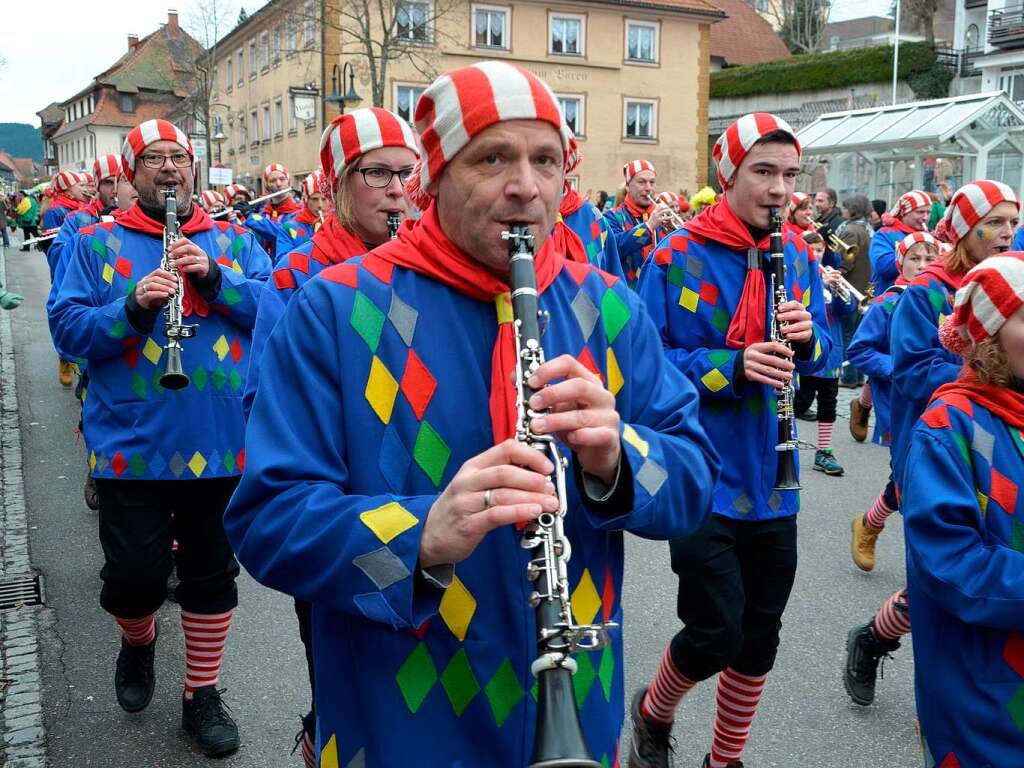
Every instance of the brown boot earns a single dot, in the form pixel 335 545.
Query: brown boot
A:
pixel 859 420
pixel 64 373
pixel 862 543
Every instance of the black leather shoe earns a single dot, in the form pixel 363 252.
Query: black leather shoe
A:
pixel 205 718
pixel 134 678
pixel 652 745
pixel 864 651
pixel 707 762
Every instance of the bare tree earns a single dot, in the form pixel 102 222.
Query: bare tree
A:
pixel 917 16
pixel 802 23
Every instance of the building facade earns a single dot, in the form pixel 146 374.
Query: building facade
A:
pixel 990 36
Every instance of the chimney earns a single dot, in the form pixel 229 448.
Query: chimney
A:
pixel 133 41
pixel 172 18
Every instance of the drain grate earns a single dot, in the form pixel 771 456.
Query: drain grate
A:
pixel 20 590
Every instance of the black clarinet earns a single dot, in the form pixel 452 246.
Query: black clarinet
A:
pixel 559 741
pixel 174 376
pixel 786 447
pixel 394 222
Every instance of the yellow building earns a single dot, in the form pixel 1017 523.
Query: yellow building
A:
pixel 631 75
pixel 263 69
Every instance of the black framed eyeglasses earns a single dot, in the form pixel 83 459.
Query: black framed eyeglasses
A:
pixel 156 161
pixel 377 177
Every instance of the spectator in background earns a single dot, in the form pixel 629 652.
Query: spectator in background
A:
pixel 27 210
pixel 878 209
pixel 4 208
pixel 602 200
pixel 856 269
pixel 825 203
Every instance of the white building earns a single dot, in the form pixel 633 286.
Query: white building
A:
pixel 990 36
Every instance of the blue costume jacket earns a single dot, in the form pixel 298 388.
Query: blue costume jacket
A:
pixel 965 576
pixel 332 504
pixel 1018 240
pixel 633 239
pixel 134 428
pixel 692 288
pixel 835 311
pixel 291 234
pixel 598 240
pixel 69 227
pixel 266 228
pixel 869 352
pixel 883 258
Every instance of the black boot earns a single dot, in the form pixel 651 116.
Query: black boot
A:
pixel 864 650
pixel 707 762
pixel 205 718
pixel 306 739
pixel 652 745
pixel 134 678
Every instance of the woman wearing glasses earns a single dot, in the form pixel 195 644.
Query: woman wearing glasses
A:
pixel 366 157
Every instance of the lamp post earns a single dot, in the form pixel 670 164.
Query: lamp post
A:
pixel 350 98
pixel 896 53
pixel 218 137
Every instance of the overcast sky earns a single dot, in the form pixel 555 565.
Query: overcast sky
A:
pixel 54 49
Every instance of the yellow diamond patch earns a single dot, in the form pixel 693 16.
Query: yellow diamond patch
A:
pixel 817 348
pixel 714 380
pixel 197 463
pixel 688 299
pixel 388 521
pixel 457 608
pixel 381 390
pixel 92 461
pixel 236 266
pixel 982 503
pixel 503 306
pixel 806 299
pixel 221 347
pixel 615 380
pixel 108 273
pixel 630 436
pixel 585 600
pixel 152 351
pixel 329 754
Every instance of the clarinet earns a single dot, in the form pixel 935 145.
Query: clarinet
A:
pixel 787 445
pixel 174 376
pixel 394 221
pixel 559 740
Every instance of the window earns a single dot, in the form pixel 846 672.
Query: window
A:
pixel 127 103
pixel 640 119
pixel 1013 85
pixel 566 36
pixel 243 136
pixel 293 123
pixel 309 23
pixel 252 59
pixel 972 37
pixel 254 122
pixel 412 20
pixel 264 51
pixel 229 75
pixel 490 27
pixel 291 32
pixel 278 118
pixel 277 45
pixel 240 58
pixel 406 97
pixel 572 111
pixel 266 122
pixel 216 78
pixel 641 41
pixel 761 6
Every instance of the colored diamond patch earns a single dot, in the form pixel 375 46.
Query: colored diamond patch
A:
pixel 720 320
pixel 381 390
pixel 585 600
pixel 459 682
pixel 431 453
pixel 329 754
pixel 137 465
pixel 108 273
pixel 221 348
pixel 614 314
pixel 416 677
pixel 714 380
pixel 197 463
pixel 631 436
pixel 615 380
pixel 381 566
pixel 503 692
pixel 219 378
pixel 388 521
pixel 418 384
pixel 688 299
pixel 231 296
pixel 367 320
pixel 606 671
pixel 457 608
pixel 583 679
pixel 152 351
pixel 1016 708
pixel 200 377
pixel 1003 492
pixel 139 386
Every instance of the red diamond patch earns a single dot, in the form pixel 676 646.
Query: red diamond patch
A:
pixel 131 357
pixel 679 243
pixel 118 464
pixel 708 293
pixel 588 362
pixel 346 274
pixel 283 279
pixel 299 261
pixel 236 350
pixel 123 267
pixel 607 595
pixel 379 268
pixel 418 385
pixel 1004 492
pixel 578 271
pixel 1013 652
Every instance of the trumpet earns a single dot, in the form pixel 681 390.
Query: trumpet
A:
pixel 846 290
pixel 674 219
pixel 848 251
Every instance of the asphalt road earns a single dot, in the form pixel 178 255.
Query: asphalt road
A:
pixel 805 718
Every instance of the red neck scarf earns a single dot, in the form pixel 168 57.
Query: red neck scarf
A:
pixel 1005 403
pixel 135 218
pixel 571 203
pixel 894 223
pixel 306 216
pixel 93 208
pixel 333 243
pixel 69 203
pixel 937 269
pixel 636 211
pixel 424 248
pixel 277 211
pixel 794 229
pixel 718 222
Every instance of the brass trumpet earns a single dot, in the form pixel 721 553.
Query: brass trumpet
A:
pixel 845 290
pixel 848 251
pixel 675 221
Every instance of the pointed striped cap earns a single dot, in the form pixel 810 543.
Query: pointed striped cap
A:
pixel 106 167
pixel 737 140
pixel 461 104
pixel 274 168
pixel 210 198
pixel 633 167
pixel 989 295
pixel 355 133
pixel 972 202
pixel 313 183
pixel 910 241
pixel 911 201
pixel 236 189
pixel 668 198
pixel 65 180
pixel 144 134
pixel 797 199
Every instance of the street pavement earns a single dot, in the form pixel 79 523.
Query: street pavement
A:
pixel 805 718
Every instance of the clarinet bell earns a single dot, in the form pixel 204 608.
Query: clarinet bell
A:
pixel 786 478
pixel 174 376
pixel 559 740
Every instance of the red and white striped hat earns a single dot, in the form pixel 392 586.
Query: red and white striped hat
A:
pixel 271 169
pixel 797 199
pixel 313 183
pixel 633 167
pixel 911 201
pixel 668 198
pixel 144 134
pixel 65 180
pixel 910 241
pixel 989 295
pixel 459 105
pixel 734 144
pixel 107 167
pixel 210 198
pixel 972 202
pixel 236 189
pixel 352 135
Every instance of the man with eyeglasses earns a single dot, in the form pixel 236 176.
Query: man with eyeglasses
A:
pixel 298 228
pixel 266 222
pixel 165 463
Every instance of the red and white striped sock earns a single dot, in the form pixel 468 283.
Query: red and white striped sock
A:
pixel 893 619
pixel 879 512
pixel 825 435
pixel 138 631
pixel 205 635
pixel 737 698
pixel 865 399
pixel 174 545
pixel 308 756
pixel 666 691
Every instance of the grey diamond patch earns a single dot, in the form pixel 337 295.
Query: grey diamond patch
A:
pixel 651 476
pixel 102 462
pixel 114 244
pixel 983 442
pixel 801 267
pixel 359 761
pixel 775 501
pixel 586 313
pixel 694 266
pixel 176 464
pixel 223 241
pixel 743 504
pixel 382 567
pixel 403 317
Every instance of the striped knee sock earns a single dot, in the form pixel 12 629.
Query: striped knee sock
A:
pixel 825 435
pixel 864 397
pixel 876 516
pixel 138 631
pixel 737 698
pixel 893 619
pixel 308 756
pixel 205 635
pixel 666 691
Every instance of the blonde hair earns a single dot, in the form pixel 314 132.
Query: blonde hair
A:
pixel 959 262
pixel 343 197
pixel 988 360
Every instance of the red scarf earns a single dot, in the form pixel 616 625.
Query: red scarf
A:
pixel 566 239
pixel 637 212
pixel 333 243
pixel 718 222
pixel 306 216
pixel 69 203
pixel 423 247
pixel 894 223
pixel 93 208
pixel 937 269
pixel 794 229
pixel 200 221
pixel 277 211
pixel 571 203
pixel 1007 404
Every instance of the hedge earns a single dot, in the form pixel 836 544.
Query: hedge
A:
pixel 837 69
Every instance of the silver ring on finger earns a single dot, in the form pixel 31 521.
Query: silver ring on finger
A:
pixel 488 500
pixel 145 288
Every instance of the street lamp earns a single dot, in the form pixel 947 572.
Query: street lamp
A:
pixel 218 137
pixel 351 98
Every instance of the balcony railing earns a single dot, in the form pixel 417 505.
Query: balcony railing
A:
pixel 1006 28
pixel 975 3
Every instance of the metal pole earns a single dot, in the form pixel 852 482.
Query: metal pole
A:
pixel 896 52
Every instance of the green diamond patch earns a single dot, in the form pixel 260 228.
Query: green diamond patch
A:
pixel 584 678
pixel 503 692
pixel 459 682
pixel 431 452
pixel 416 677
pixel 614 314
